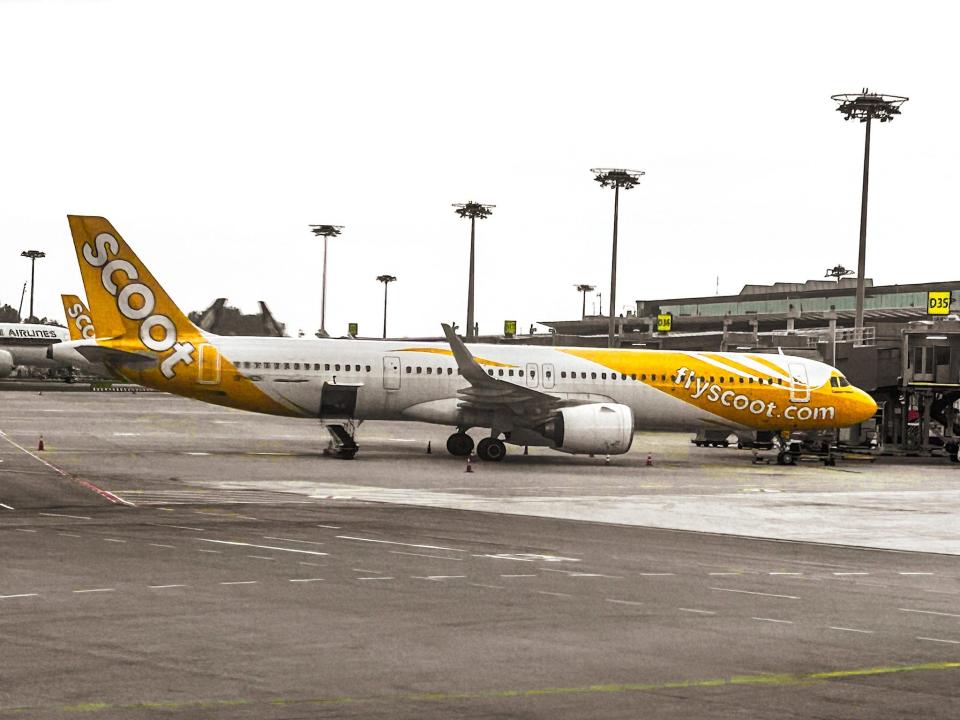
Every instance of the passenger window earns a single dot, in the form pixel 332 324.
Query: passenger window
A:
pixel 490 373
pixel 643 376
pixel 409 369
pixel 337 367
pixel 326 366
pixel 741 380
pixel 419 369
pixel 563 374
pixel 296 366
pixel 256 365
pixel 779 381
pixel 548 373
pixel 751 381
pixel 593 376
pixel 500 372
pixel 520 373
pixel 711 378
pixel 583 376
pixel 449 371
pixel 603 376
pixel 510 373
pixel 429 371
pixel 357 368
pixel 633 376
pixel 368 368
pixel 533 373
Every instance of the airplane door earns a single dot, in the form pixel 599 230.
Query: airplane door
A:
pixel 208 365
pixel 799 387
pixel 548 376
pixel 391 373
pixel 531 374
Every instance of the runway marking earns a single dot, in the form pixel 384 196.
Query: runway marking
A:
pixel 374 578
pixel 21 595
pixel 773 620
pixel 554 594
pixel 365 570
pixel 513 576
pixel 929 612
pixel 161 545
pixel 693 610
pixel 262 547
pixel 330 527
pixel 939 640
pixel 305 579
pixel 426 555
pixel 491 587
pixel 5 506
pixel 623 602
pixel 197 454
pixel 854 630
pixel 96 590
pixel 259 557
pixel 25 530
pixel 73 517
pixel 393 542
pixel 784 573
pixel 304 562
pixel 916 573
pixel 114 540
pixel 178 527
pixel 306 542
pixel 215 552
pixel 66 534
pixel 436 577
pixel 725 573
pixel 851 573
pixel 458 697
pixel 164 587
pixel 656 574
pixel 751 592
pixel 240 582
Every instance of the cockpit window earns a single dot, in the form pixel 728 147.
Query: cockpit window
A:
pixel 839 382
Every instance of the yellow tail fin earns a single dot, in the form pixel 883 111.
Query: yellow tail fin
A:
pixel 79 321
pixel 128 305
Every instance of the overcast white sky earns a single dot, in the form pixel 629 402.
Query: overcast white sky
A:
pixel 213 133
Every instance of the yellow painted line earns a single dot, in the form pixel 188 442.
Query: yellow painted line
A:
pixel 769 680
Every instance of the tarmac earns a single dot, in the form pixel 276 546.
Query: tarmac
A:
pixel 164 558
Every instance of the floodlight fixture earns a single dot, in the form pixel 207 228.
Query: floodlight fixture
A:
pixel 866 106
pixel 326 232
pixel 838 271
pixel 584 288
pixel 616 178
pixel 34 255
pixel 386 280
pixel 475 211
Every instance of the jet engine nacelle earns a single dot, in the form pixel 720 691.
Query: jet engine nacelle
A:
pixel 597 429
pixel 6 363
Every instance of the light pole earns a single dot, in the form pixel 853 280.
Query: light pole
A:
pixel 866 106
pixel 326 232
pixel 33 255
pixel 474 211
pixel 386 280
pixel 584 289
pixel 626 179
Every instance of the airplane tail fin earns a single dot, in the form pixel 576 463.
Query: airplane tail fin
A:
pixel 79 320
pixel 128 304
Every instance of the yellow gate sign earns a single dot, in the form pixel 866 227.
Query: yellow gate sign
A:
pixel 664 322
pixel 938 302
pixel 509 328
pixel 352 329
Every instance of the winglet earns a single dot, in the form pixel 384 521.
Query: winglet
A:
pixel 469 368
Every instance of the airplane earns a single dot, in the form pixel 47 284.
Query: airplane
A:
pixel 26 344
pixel 573 399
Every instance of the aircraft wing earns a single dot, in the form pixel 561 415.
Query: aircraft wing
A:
pixel 113 356
pixel 489 393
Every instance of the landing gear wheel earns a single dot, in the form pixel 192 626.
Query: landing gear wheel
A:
pixel 952 452
pixel 786 458
pixel 460 444
pixel 491 449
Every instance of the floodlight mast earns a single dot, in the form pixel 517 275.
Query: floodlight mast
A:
pixel 584 289
pixel 474 211
pixel 615 178
pixel 33 255
pixel 386 280
pixel 865 106
pixel 326 232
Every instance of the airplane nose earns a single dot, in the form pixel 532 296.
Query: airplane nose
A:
pixel 868 406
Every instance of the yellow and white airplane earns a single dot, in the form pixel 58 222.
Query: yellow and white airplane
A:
pixel 575 400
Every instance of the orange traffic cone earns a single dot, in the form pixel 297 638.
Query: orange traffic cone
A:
pixel 40 444
pixel 469 464
pixel 649 460
pixel 429 451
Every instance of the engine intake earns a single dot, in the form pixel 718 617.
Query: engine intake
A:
pixel 597 429
pixel 6 363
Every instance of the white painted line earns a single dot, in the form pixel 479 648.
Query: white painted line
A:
pixel 929 612
pixel 215 552
pixel 197 454
pixel 69 534
pixel 241 582
pixel 915 573
pixel 178 527
pixel 773 620
pixel 304 562
pixel 554 594
pixel 114 540
pixel 368 571
pixel 491 587
pixel 21 595
pixel 163 587
pixel 305 542
pixel 306 579
pixel 72 517
pixel 330 527
pixel 784 573
pixel 262 547
pixel 725 573
pixel 571 573
pixel 939 640
pixel 5 506
pixel 750 592
pixel 95 590
pixel 160 545
pixel 856 630
pixel 392 542
pixel 259 557
pixel 851 573
pixel 436 577
pixel 656 574
pixel 25 530
pixel 701 612
pixel 623 602
pixel 512 576
pixel 426 555
pixel 374 578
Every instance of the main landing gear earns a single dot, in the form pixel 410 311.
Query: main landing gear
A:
pixel 489 448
